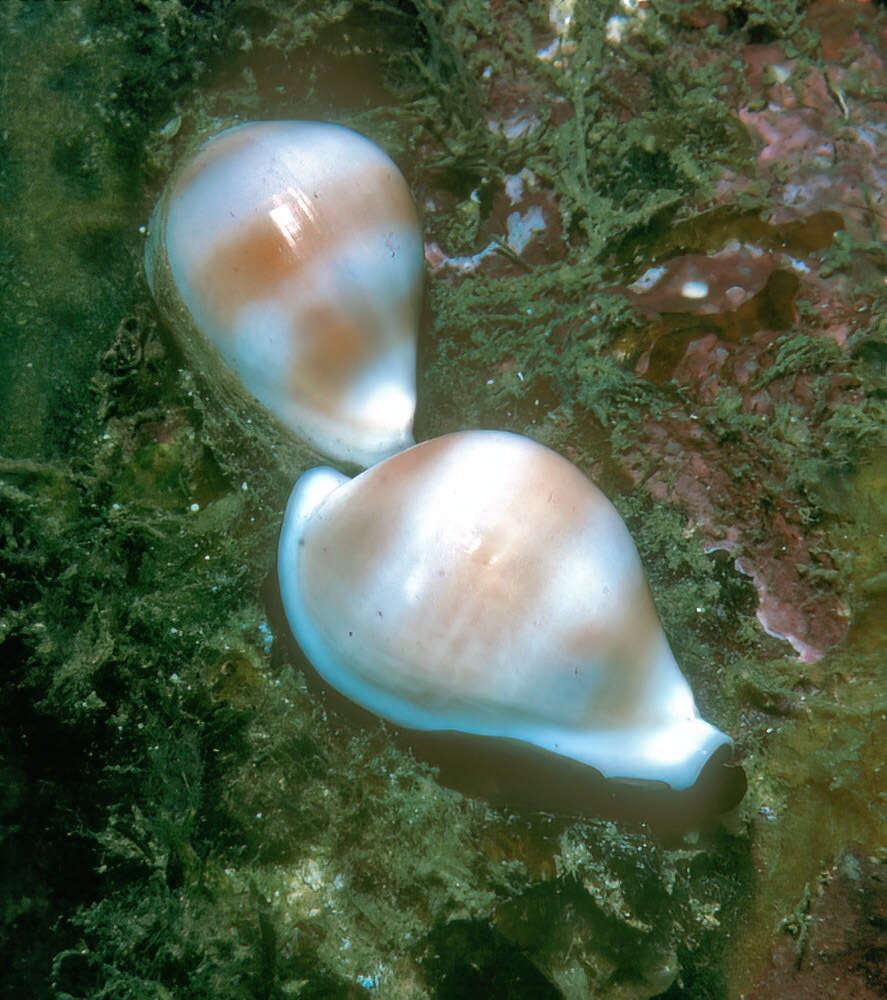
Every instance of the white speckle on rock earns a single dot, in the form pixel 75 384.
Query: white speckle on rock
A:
pixel 616 28
pixel 649 279
pixel 694 289
pixel 521 227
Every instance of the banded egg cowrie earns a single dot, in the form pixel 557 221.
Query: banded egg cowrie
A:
pixel 479 583
pixel 287 258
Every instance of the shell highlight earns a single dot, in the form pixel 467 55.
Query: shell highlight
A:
pixel 288 255
pixel 479 582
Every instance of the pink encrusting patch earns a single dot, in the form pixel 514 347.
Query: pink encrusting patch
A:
pixel 823 142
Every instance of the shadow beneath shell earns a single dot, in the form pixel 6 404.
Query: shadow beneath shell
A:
pixel 516 776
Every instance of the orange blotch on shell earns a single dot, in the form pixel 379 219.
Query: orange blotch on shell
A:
pixel 246 269
pixel 332 348
pixel 297 230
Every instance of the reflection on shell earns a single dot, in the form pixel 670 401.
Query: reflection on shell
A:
pixel 479 582
pixel 288 254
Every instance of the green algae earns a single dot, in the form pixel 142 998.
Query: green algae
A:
pixel 816 751
pixel 816 779
pixel 181 815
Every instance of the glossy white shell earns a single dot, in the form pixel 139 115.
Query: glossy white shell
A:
pixel 479 582
pixel 295 250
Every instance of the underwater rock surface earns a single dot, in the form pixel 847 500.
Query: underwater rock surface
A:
pixel 836 939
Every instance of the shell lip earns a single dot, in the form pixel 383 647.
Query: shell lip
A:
pixel 518 775
pixel 672 751
pixel 311 490
pixel 669 756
